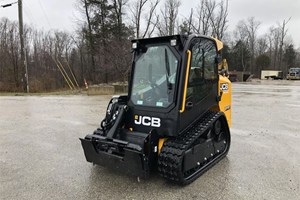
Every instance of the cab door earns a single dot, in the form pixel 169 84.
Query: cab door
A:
pixel 202 87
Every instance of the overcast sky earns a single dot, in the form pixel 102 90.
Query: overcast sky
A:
pixel 63 14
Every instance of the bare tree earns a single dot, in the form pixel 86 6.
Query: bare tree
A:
pixel 89 34
pixel 188 24
pixel 283 33
pixel 202 24
pixel 169 15
pixel 211 18
pixel 118 8
pixel 209 9
pixel 218 20
pixel 137 9
pixel 274 37
pixel 248 30
pixel 262 45
pixel 152 19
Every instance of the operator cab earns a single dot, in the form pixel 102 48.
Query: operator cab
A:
pixel 171 75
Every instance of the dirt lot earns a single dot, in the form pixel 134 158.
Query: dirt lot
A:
pixel 41 155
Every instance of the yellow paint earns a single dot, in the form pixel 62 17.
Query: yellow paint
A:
pixel 218 43
pixel 161 142
pixel 223 65
pixel 186 80
pixel 131 129
pixel 225 103
pixel 136 117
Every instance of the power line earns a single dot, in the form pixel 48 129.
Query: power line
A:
pixel 43 10
pixel 29 13
pixel 8 4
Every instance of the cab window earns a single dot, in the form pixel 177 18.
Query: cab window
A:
pixel 203 69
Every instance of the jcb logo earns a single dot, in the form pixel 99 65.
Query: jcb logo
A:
pixel 147 121
pixel 224 87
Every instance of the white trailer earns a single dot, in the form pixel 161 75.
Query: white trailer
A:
pixel 274 74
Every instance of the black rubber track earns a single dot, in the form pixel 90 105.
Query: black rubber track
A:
pixel 170 160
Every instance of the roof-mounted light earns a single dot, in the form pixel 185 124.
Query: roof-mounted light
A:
pixel 173 42
pixel 134 45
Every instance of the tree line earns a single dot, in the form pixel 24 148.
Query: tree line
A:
pixel 100 50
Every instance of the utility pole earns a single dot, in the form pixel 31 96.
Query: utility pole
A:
pixel 23 52
pixel 23 56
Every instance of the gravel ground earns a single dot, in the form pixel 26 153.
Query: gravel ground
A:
pixel 41 156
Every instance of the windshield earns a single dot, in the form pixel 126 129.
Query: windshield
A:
pixel 154 77
pixel 293 70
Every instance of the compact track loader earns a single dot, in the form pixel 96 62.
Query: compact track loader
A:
pixel 175 119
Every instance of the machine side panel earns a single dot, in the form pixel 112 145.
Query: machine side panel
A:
pixel 225 102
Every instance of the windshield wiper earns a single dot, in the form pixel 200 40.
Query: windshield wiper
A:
pixel 167 70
